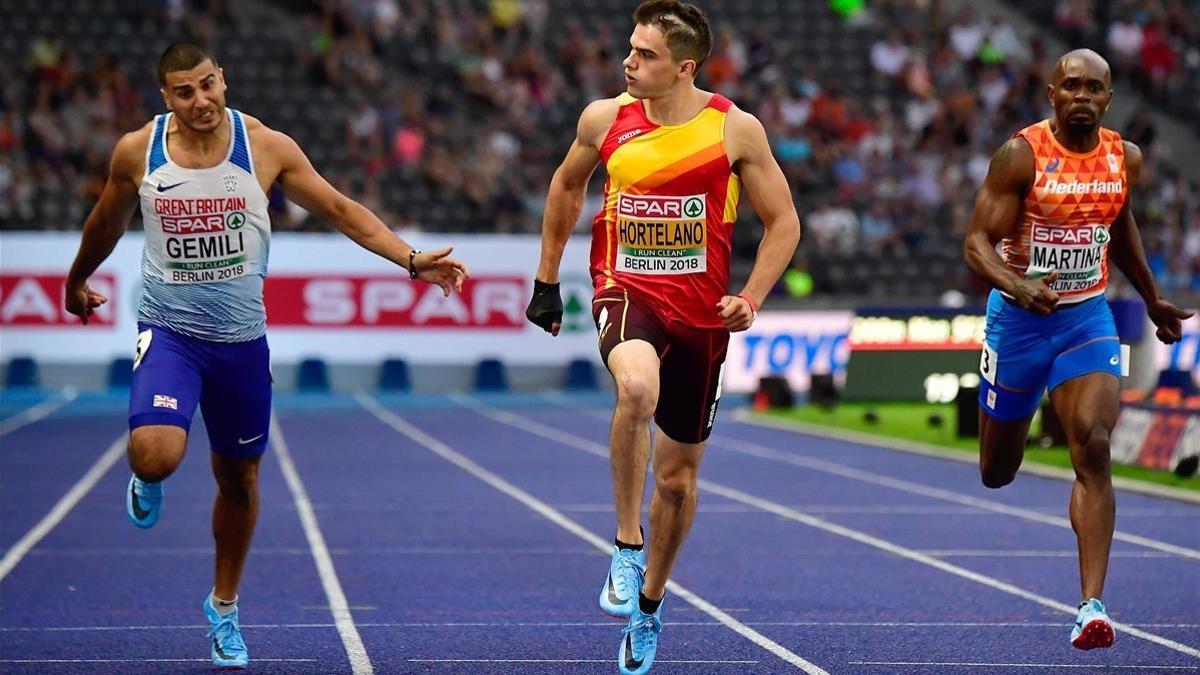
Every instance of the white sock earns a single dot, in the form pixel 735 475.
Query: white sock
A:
pixel 224 607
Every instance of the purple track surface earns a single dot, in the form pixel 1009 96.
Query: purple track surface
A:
pixel 828 548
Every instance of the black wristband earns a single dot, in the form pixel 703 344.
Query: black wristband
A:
pixel 540 287
pixel 412 265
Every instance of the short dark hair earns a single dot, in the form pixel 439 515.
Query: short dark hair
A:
pixel 181 56
pixel 684 26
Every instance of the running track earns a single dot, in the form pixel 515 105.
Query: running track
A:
pixel 465 534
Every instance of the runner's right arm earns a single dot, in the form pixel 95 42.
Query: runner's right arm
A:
pixel 107 222
pixel 564 201
pixel 997 215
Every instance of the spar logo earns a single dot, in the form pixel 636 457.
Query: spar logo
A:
pixel 355 301
pixel 660 207
pixel 1065 236
pixel 1071 236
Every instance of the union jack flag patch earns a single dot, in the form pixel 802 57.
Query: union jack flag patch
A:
pixel 164 401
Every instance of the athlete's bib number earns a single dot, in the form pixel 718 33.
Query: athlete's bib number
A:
pixel 662 234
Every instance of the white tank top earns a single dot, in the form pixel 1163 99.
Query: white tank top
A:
pixel 207 239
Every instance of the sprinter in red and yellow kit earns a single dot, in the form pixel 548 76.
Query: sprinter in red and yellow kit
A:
pixel 1057 200
pixel 677 159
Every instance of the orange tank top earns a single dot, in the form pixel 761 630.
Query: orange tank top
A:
pixel 1067 214
pixel 665 230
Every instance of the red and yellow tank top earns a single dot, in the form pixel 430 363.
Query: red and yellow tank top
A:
pixel 1067 214
pixel 669 206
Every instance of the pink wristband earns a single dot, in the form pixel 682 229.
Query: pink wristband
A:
pixel 749 301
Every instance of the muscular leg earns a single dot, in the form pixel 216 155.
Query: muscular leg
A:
pixel 155 451
pixel 234 515
pixel 634 365
pixel 1001 448
pixel 672 507
pixel 1088 407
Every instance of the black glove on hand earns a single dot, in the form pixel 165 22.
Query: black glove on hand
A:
pixel 545 307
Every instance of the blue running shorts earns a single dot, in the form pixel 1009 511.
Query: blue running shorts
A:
pixel 231 381
pixel 1024 353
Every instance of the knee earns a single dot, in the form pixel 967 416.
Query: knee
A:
pixel 676 485
pixel 637 394
pixel 997 474
pixel 1093 459
pixel 154 456
pixel 237 482
pixel 994 477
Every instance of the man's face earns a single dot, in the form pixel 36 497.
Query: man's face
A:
pixel 196 96
pixel 650 70
pixel 1080 94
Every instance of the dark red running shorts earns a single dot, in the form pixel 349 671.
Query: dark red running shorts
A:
pixel 692 361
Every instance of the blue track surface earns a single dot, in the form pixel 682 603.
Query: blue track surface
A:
pixel 829 549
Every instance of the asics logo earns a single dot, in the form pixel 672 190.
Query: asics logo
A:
pixel 247 441
pixel 138 511
pixel 164 188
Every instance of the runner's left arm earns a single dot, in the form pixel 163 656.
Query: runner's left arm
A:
pixel 767 189
pixel 1127 254
pixel 311 191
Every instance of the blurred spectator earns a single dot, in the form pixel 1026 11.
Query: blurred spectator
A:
pixel 890 57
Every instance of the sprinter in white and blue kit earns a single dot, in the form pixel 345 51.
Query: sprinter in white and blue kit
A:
pixel 200 173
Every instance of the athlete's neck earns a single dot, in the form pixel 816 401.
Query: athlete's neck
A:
pixel 200 143
pixel 1081 142
pixel 680 105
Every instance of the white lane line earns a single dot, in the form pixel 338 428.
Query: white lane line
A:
pixel 823 466
pixel 929 450
pixel 51 520
pixel 360 662
pixel 1016 553
pixel 549 513
pixel 39 411
pixel 256 660
pixel 972 664
pixel 686 661
pixel 594 448
pixel 904 552
pixel 596 624
pixel 771 454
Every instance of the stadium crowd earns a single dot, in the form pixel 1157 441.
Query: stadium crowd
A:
pixel 454 115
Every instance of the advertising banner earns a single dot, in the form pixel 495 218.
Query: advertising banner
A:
pixel 325 297
pixel 795 345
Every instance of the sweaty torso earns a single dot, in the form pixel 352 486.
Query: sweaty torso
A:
pixel 670 203
pixel 1067 214
pixel 207 238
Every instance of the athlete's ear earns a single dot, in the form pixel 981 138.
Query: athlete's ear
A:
pixel 687 68
pixel 166 100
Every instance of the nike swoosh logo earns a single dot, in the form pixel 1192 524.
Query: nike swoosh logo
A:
pixel 220 652
pixel 164 188
pixel 612 592
pixel 249 440
pixel 630 662
pixel 138 511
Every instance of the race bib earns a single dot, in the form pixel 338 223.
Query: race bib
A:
pixel 662 234
pixel 204 241
pixel 1077 253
